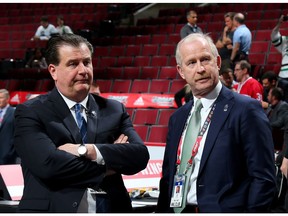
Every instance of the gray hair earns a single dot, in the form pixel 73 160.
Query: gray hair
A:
pixel 192 37
pixel 5 92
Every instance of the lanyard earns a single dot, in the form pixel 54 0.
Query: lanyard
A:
pixel 197 142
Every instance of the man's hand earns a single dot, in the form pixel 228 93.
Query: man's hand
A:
pixel 284 166
pixel 70 148
pixel 121 139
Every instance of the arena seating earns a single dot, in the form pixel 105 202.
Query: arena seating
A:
pixel 133 59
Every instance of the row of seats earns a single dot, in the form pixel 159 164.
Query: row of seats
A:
pixel 130 72
pixel 137 61
pixel 125 72
pixel 41 85
pixel 158 47
pixel 153 133
pixel 150 116
pixel 224 7
pixel 157 86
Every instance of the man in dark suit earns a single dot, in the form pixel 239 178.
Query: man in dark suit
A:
pixel 233 168
pixel 60 175
pixel 7 152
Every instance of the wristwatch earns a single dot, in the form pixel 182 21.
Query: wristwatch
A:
pixel 82 150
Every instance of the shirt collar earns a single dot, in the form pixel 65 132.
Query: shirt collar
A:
pixel 71 103
pixel 193 26
pixel 211 97
pixel 4 108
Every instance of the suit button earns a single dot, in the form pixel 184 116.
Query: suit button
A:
pixel 75 204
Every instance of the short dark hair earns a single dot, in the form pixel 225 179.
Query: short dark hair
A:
pixel 245 64
pixel 277 93
pixel 230 14
pixel 44 19
pixel 189 12
pixel 225 70
pixel 55 42
pixel 270 75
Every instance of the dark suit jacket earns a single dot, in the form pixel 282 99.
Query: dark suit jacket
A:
pixel 7 152
pixel 278 117
pixel 54 180
pixel 237 171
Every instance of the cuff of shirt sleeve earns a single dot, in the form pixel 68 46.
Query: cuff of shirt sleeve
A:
pixel 99 157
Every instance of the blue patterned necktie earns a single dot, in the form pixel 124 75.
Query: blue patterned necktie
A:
pixel 81 122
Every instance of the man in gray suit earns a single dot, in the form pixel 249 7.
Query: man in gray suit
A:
pixel 7 151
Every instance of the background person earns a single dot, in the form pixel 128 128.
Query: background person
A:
pixel 191 26
pixel 225 43
pixel 7 151
pixel 247 85
pixel 45 30
pixel 242 39
pixel 61 27
pixel 60 175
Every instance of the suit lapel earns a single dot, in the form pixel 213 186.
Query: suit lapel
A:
pixel 92 119
pixel 8 115
pixel 223 107
pixel 61 109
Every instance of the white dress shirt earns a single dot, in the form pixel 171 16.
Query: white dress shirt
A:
pixel 207 103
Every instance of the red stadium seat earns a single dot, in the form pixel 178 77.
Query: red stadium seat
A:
pixel 131 72
pixel 149 72
pixel 158 39
pixel 160 61
pixel 168 72
pixel 114 72
pixel 274 58
pixel 267 24
pixel 174 38
pixel 149 49
pixel 121 86
pixel 101 51
pixel 105 62
pixel 145 116
pixel 176 85
pixel 164 115
pixel 257 58
pixel 142 131
pixel 142 61
pixel 159 86
pixel 142 39
pixel 125 61
pixel 105 85
pixel 158 133
pixel 133 50
pixel 262 35
pixel 167 49
pixel 140 86
pixel 259 46
pixel 117 51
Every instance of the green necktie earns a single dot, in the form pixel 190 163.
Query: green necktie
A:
pixel 192 132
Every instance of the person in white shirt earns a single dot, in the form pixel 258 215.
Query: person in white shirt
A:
pixel 45 30
pixel 62 28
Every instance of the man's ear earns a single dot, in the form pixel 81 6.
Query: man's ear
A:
pixel 179 69
pixel 219 62
pixel 52 71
